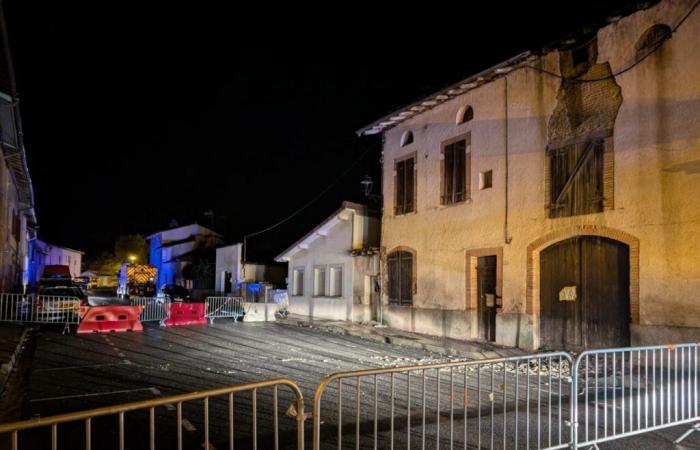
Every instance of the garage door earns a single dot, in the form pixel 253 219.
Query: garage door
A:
pixel 584 293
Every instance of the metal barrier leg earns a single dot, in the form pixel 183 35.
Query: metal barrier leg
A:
pixel 66 328
pixel 692 429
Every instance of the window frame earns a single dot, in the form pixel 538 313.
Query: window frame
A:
pixel 333 270
pixel 400 210
pixel 295 291
pixel 465 114
pixel 398 253
pixel 316 291
pixel 448 199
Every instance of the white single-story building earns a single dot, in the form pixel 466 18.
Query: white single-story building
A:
pixel 43 254
pixel 334 269
pixel 231 271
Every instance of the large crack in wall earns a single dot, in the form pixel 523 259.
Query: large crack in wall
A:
pixel 588 102
pixel 585 109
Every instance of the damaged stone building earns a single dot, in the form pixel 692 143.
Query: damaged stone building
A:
pixel 553 200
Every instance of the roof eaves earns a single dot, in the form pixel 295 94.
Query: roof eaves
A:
pixel 499 70
pixel 309 237
pixel 446 94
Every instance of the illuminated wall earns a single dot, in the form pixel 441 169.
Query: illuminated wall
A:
pixel 654 187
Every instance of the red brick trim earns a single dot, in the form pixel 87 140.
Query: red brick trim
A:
pixel 470 301
pixel 533 260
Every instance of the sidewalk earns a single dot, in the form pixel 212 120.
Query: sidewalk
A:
pixel 473 350
pixel 11 343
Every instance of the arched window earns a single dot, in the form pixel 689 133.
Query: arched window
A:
pixel 407 138
pixel 400 268
pixel 652 38
pixel 465 114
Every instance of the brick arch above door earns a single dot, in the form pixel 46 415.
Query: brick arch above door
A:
pixel 533 262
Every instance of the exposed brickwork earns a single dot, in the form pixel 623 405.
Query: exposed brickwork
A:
pixel 533 260
pixel 608 175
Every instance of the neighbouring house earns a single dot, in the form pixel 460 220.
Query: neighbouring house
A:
pixel 17 217
pixel 232 272
pixel 551 200
pixel 185 256
pixel 42 254
pixel 332 271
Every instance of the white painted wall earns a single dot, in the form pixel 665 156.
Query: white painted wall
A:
pixel 332 249
pixel 48 254
pixel 228 259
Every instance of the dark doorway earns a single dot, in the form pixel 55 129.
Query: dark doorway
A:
pixel 584 293
pixel 227 282
pixel 486 293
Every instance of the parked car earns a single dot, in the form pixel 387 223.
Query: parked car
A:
pixel 47 307
pixel 174 293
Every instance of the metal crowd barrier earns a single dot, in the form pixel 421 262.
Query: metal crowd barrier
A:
pixel 228 407
pixel 629 391
pixel 39 309
pixel 220 307
pixel 497 403
pixel 154 309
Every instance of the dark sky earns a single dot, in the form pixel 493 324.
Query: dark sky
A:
pixel 139 113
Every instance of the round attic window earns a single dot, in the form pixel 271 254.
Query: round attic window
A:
pixel 465 114
pixel 652 38
pixel 406 138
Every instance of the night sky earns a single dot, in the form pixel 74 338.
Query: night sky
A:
pixel 139 113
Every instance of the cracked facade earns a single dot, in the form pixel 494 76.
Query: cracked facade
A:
pixel 566 156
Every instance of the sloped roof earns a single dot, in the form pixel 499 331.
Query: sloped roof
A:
pixel 11 125
pixel 322 229
pixel 184 226
pixel 494 72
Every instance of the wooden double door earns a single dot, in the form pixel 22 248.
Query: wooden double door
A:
pixel 584 294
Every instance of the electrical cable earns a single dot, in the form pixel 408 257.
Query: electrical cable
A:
pixel 628 68
pixel 317 197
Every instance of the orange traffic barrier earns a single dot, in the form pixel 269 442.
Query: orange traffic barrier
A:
pixel 185 314
pixel 109 319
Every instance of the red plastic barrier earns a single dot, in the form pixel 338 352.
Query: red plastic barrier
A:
pixel 185 314
pixel 108 319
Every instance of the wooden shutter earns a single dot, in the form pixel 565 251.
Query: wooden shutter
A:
pixel 406 278
pixel 460 193
pixel 393 269
pixel 448 174
pixel 400 187
pixel 410 177
pixel 455 174
pixel 400 273
pixel 576 179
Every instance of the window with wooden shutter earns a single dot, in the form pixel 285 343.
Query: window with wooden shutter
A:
pixel 456 178
pixel 400 271
pixel 576 179
pixel 405 186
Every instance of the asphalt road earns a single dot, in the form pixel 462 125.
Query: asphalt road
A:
pixel 77 372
